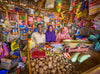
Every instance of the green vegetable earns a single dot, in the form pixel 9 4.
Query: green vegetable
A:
pixel 74 57
pixel 83 58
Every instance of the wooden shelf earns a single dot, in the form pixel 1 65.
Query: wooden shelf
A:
pixel 93 30
pixel 2 10
pixel 31 15
pixel 12 12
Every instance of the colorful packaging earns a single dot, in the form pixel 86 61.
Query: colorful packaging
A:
pixel 3 50
pixel 31 44
pixel 14 45
pixel 94 7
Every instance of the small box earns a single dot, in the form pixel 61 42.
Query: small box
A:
pixel 9 62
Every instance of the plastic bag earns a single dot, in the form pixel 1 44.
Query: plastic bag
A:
pixel 94 38
pixel 3 50
pixel 95 46
pixel 49 4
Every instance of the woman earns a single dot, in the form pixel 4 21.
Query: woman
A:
pixel 50 34
pixel 63 34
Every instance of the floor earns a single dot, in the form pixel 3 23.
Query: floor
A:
pixel 89 63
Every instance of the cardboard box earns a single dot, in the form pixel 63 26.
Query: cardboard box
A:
pixel 9 62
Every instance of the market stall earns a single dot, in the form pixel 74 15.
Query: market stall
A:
pixel 49 36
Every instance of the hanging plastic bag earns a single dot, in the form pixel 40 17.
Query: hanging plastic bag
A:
pixel 14 45
pixel 3 50
pixel 94 38
pixel 95 46
pixel 59 5
pixel 49 4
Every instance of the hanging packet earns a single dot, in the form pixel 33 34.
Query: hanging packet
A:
pixel 14 45
pixel 3 50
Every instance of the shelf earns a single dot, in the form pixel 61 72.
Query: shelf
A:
pixel 2 10
pixel 93 30
pixel 12 12
pixel 30 15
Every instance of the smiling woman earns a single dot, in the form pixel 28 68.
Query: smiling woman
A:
pixel 63 34
pixel 50 34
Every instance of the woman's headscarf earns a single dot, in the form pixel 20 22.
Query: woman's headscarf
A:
pixel 61 36
pixel 50 36
pixel 65 30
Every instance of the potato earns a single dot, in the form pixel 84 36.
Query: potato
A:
pixel 40 63
pixel 58 64
pixel 59 72
pixel 37 61
pixel 50 58
pixel 58 68
pixel 36 66
pixel 63 70
pixel 48 71
pixel 53 71
pixel 32 63
pixel 34 72
pixel 54 64
pixel 41 71
pixel 47 59
pixel 54 61
pixel 37 70
pixel 45 67
pixel 41 59
pixel 33 69
pixel 50 64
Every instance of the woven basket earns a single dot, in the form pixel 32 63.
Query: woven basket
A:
pixel 73 43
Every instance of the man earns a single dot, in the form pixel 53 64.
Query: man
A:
pixel 38 37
